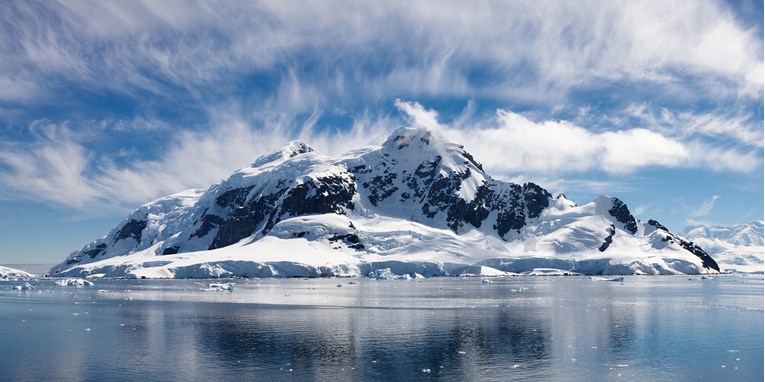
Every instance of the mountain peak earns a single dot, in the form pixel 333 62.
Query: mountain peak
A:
pixel 297 147
pixel 415 136
pixel 290 150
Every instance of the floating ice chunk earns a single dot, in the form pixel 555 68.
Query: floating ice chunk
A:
pixel 478 271
pixel 24 286
pixel 386 274
pixel 616 279
pixel 77 283
pixel 220 287
pixel 486 281
pixel 551 272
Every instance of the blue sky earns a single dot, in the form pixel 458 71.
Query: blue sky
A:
pixel 106 105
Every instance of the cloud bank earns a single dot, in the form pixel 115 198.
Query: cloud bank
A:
pixel 534 51
pixel 58 167
pixel 114 103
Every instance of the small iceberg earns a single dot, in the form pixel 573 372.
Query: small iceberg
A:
pixel 220 287
pixel 386 274
pixel 77 283
pixel 24 286
pixel 550 272
pixel 619 279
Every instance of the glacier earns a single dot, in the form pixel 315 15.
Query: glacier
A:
pixel 419 204
pixel 736 248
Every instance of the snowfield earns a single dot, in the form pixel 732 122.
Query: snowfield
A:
pixel 406 248
pixel 418 205
pixel 11 274
pixel 737 248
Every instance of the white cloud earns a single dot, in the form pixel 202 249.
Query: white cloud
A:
pixel 513 144
pixel 531 50
pixel 52 169
pixel 517 144
pixel 418 115
pixel 641 209
pixel 59 167
pixel 706 207
pixel 736 126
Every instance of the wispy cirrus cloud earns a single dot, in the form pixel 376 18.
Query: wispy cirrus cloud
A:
pixel 739 127
pixel 59 167
pixel 255 75
pixel 526 50
pixel 706 207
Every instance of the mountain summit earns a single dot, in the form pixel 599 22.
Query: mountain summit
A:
pixel 418 204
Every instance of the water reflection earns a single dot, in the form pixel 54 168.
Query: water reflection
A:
pixel 368 343
pixel 556 329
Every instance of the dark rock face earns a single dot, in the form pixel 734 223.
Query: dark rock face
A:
pixel 536 199
pixel 133 229
pixel 93 252
pixel 351 240
pixel 209 222
pixel 383 189
pixel 510 210
pixel 243 221
pixel 608 240
pixel 707 260
pixel 657 225
pixel 171 250
pixel 248 211
pixel 433 191
pixel 470 159
pixel 623 215
pixel 332 194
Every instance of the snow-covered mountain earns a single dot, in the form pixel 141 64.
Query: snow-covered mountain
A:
pixel 736 247
pixel 7 273
pixel 417 204
pixel 749 234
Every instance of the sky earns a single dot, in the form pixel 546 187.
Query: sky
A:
pixel 107 105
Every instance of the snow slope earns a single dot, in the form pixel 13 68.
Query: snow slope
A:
pixel 418 204
pixel 736 248
pixel 14 274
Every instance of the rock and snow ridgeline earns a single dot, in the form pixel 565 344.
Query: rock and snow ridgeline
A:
pixel 418 204
pixel 13 274
pixel 736 248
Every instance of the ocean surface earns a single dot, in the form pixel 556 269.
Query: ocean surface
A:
pixel 459 329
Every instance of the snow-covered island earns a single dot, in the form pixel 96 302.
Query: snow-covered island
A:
pixel 11 274
pixel 417 205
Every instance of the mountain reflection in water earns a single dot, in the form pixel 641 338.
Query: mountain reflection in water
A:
pixel 544 328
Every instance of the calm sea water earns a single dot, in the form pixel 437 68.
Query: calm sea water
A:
pixel 521 328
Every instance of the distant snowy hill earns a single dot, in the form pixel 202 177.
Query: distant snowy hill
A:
pixel 750 234
pixel 418 204
pixel 14 274
pixel 736 248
